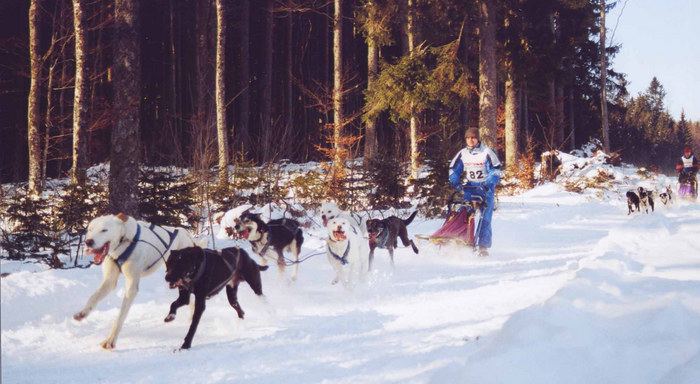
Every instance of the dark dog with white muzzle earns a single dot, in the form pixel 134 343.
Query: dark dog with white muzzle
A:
pixel 204 273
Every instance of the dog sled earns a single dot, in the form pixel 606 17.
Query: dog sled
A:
pixel 462 223
pixel 688 185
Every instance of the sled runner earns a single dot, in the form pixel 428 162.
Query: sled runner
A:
pixel 688 188
pixel 463 221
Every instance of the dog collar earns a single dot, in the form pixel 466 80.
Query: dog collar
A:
pixel 343 260
pixel 130 249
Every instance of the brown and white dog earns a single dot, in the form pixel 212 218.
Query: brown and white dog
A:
pixel 347 251
pixel 133 248
pixel 271 239
pixel 646 200
pixel 204 273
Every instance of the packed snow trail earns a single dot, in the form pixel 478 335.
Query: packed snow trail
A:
pixel 575 290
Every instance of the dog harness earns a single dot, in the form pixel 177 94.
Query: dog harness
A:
pixel 343 260
pixel 203 267
pixel 130 249
pixel 382 238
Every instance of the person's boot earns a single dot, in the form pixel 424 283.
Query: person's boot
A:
pixel 481 251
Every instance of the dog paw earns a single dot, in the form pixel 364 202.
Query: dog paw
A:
pixel 169 318
pixel 79 316
pixel 108 345
pixel 334 281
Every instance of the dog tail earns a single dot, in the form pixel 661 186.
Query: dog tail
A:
pixel 263 267
pixel 410 218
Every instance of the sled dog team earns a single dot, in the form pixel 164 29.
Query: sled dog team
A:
pixel 643 199
pixel 137 249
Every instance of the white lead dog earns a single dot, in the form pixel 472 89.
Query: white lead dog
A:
pixel 330 210
pixel 347 251
pixel 133 248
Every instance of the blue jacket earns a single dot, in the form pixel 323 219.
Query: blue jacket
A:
pixel 480 166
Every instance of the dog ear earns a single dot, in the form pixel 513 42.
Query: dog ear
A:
pixel 122 217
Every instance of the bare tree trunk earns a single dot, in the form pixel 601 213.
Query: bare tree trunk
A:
pixel 49 121
pixel 551 134
pixel 512 118
pixel 488 81
pixel 62 85
pixel 34 110
pixel 221 128
pixel 80 123
pixel 124 163
pixel 287 137
pixel 526 110
pixel 413 135
pixel 604 81
pixel 572 123
pixel 371 142
pixel 266 84
pixel 559 121
pixel 243 128
pixel 338 82
pixel 464 60
pixel 556 101
pixel 174 104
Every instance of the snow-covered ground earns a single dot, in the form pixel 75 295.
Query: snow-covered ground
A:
pixel 574 291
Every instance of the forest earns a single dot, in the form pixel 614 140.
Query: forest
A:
pixel 209 84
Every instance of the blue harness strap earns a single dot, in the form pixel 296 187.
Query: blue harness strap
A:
pixel 129 250
pixel 127 253
pixel 172 235
pixel 343 260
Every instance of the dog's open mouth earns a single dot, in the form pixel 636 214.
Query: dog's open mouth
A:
pixel 99 253
pixel 339 235
pixel 244 233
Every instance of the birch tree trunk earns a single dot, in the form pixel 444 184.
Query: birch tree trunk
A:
pixel 221 126
pixel 80 123
pixel 338 83
pixel 414 129
pixel 604 81
pixel 34 110
pixel 488 107
pixel 124 156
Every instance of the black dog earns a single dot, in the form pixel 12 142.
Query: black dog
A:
pixel 384 232
pixel 204 272
pixel 645 199
pixel 632 202
pixel 271 239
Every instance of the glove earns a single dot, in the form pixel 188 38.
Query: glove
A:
pixel 477 185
